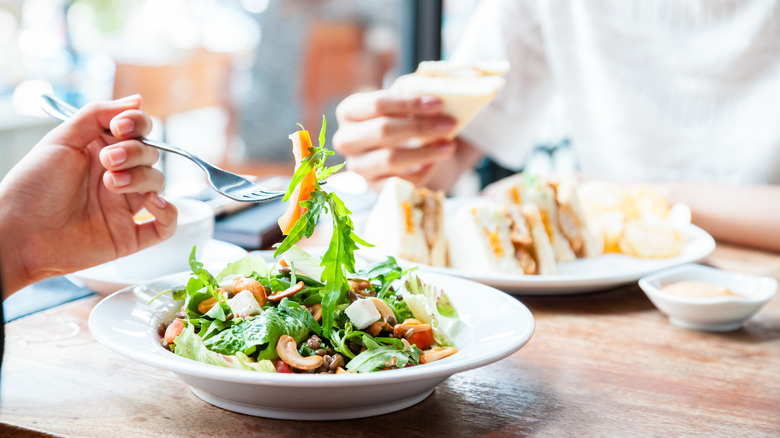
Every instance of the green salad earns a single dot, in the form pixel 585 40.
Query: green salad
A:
pixel 307 314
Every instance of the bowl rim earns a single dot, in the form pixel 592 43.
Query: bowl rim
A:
pixel 650 285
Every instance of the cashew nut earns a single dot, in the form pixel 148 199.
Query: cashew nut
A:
pixel 290 291
pixel 375 328
pixel 437 353
pixel 253 286
pixel 206 305
pixel 288 352
pixel 316 311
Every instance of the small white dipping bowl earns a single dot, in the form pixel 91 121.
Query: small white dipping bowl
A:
pixel 716 314
pixel 194 227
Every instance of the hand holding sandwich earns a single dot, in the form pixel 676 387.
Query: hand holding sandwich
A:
pixel 382 134
pixel 410 130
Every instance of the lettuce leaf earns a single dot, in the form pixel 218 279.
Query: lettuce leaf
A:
pixel 190 345
pixel 431 305
pixel 295 311
pixel 305 263
pixel 245 266
pixel 259 334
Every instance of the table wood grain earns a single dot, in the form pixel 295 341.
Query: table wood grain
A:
pixel 600 364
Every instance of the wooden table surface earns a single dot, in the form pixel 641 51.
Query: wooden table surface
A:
pixel 600 364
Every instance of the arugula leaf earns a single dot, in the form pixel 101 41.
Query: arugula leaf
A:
pixel 196 293
pixel 385 269
pixel 325 172
pixel 177 293
pixel 382 275
pixel 339 258
pixel 378 356
pixel 209 328
pixel 322 130
pixel 340 337
pixel 205 276
pixel 315 205
pixel 307 164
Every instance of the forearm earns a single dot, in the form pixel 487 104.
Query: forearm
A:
pixel 745 215
pixel 13 274
pixel 446 173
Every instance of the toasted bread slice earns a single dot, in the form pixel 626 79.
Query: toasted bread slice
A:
pixel 463 89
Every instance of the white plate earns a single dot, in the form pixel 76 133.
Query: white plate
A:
pixel 105 279
pixel 582 275
pixel 496 325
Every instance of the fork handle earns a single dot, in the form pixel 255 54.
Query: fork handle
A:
pixel 178 151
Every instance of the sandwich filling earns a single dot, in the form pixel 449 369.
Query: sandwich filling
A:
pixel 572 229
pixel 522 242
pixel 424 209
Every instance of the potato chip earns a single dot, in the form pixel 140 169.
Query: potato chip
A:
pixel 635 220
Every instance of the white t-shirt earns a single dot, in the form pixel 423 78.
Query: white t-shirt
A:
pixel 654 90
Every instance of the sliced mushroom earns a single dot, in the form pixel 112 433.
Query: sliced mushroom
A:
pixel 383 308
pixel 359 285
pixel 437 353
pixel 410 327
pixel 288 352
pixel 290 291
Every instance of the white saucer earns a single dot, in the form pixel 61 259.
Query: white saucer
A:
pixel 105 279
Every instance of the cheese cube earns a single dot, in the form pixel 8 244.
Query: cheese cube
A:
pixel 362 313
pixel 244 305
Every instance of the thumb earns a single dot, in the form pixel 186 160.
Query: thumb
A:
pixel 91 121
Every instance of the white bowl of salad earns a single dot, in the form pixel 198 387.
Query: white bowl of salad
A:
pixel 306 337
pixel 484 324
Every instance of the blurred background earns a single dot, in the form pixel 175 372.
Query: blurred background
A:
pixel 226 79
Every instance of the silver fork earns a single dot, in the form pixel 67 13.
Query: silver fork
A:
pixel 227 183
